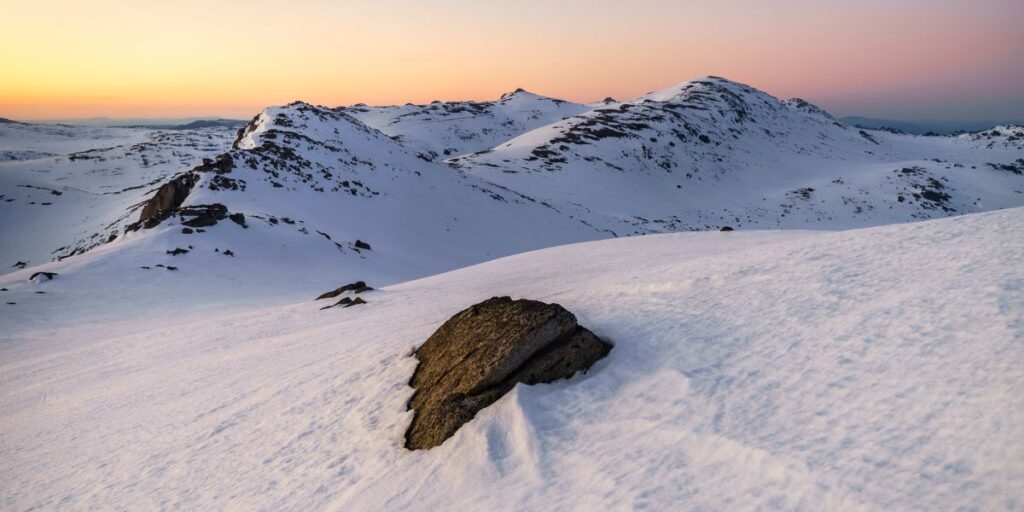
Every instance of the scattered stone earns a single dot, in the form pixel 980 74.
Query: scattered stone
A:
pixel 238 218
pixel 357 287
pixel 362 245
pixel 20 264
pixel 186 231
pixel 344 300
pixel 177 251
pixel 40 292
pixel 168 267
pixel 482 352
pixel 11 303
pixel 355 302
pixel 43 276
pixel 203 215
pixel 726 228
pixel 228 252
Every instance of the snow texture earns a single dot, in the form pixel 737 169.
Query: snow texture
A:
pixel 752 370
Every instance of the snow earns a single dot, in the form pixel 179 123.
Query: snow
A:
pixel 442 130
pixel 712 152
pixel 52 205
pixel 876 369
pixel 803 368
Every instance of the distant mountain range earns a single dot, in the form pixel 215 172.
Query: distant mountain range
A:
pixel 391 193
pixel 923 127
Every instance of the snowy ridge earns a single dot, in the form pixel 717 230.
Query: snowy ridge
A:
pixel 309 196
pixel 442 130
pixel 752 370
pixel 712 152
pixel 83 183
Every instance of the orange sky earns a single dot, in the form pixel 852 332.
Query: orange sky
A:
pixel 911 59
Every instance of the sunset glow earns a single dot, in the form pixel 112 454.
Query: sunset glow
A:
pixel 903 59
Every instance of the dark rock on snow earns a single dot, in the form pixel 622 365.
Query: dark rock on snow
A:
pixel 43 276
pixel 481 353
pixel 726 228
pixel 168 197
pixel 362 245
pixel 356 287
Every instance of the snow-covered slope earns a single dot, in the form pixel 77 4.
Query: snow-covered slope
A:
pixel 712 152
pixel 442 130
pixel 55 206
pixel 875 369
pixel 26 141
pixel 308 196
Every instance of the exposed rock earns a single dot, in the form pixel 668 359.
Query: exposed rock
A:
pixel 43 276
pixel 357 287
pixel 342 302
pixel 362 245
pixel 355 302
pixel 238 218
pixel 168 197
pixel 481 353
pixel 177 251
pixel 203 215
pixel 220 165
pixel 726 228
pixel 20 264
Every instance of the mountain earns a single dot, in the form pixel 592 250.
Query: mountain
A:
pixel 192 125
pixel 922 127
pixel 306 196
pixel 873 369
pixel 71 185
pixel 712 152
pixel 441 130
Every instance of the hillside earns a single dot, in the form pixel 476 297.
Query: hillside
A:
pixel 751 370
pixel 442 130
pixel 712 152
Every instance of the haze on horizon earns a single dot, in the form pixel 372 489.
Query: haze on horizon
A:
pixel 910 59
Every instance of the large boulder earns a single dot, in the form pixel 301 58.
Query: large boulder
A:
pixel 481 353
pixel 168 197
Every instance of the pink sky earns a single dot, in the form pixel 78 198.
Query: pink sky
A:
pixel 910 59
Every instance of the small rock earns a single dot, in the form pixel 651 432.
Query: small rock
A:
pixel 362 245
pixel 358 287
pixel 238 218
pixel 355 302
pixel 726 228
pixel 187 231
pixel 177 251
pixel 43 276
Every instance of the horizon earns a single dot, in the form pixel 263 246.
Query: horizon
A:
pixel 868 59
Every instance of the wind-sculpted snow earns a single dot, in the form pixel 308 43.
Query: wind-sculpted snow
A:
pixel 712 152
pixel 442 130
pixel 875 369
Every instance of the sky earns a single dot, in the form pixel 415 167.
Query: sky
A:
pixel 900 59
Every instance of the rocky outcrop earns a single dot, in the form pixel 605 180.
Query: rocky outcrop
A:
pixel 168 197
pixel 481 353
